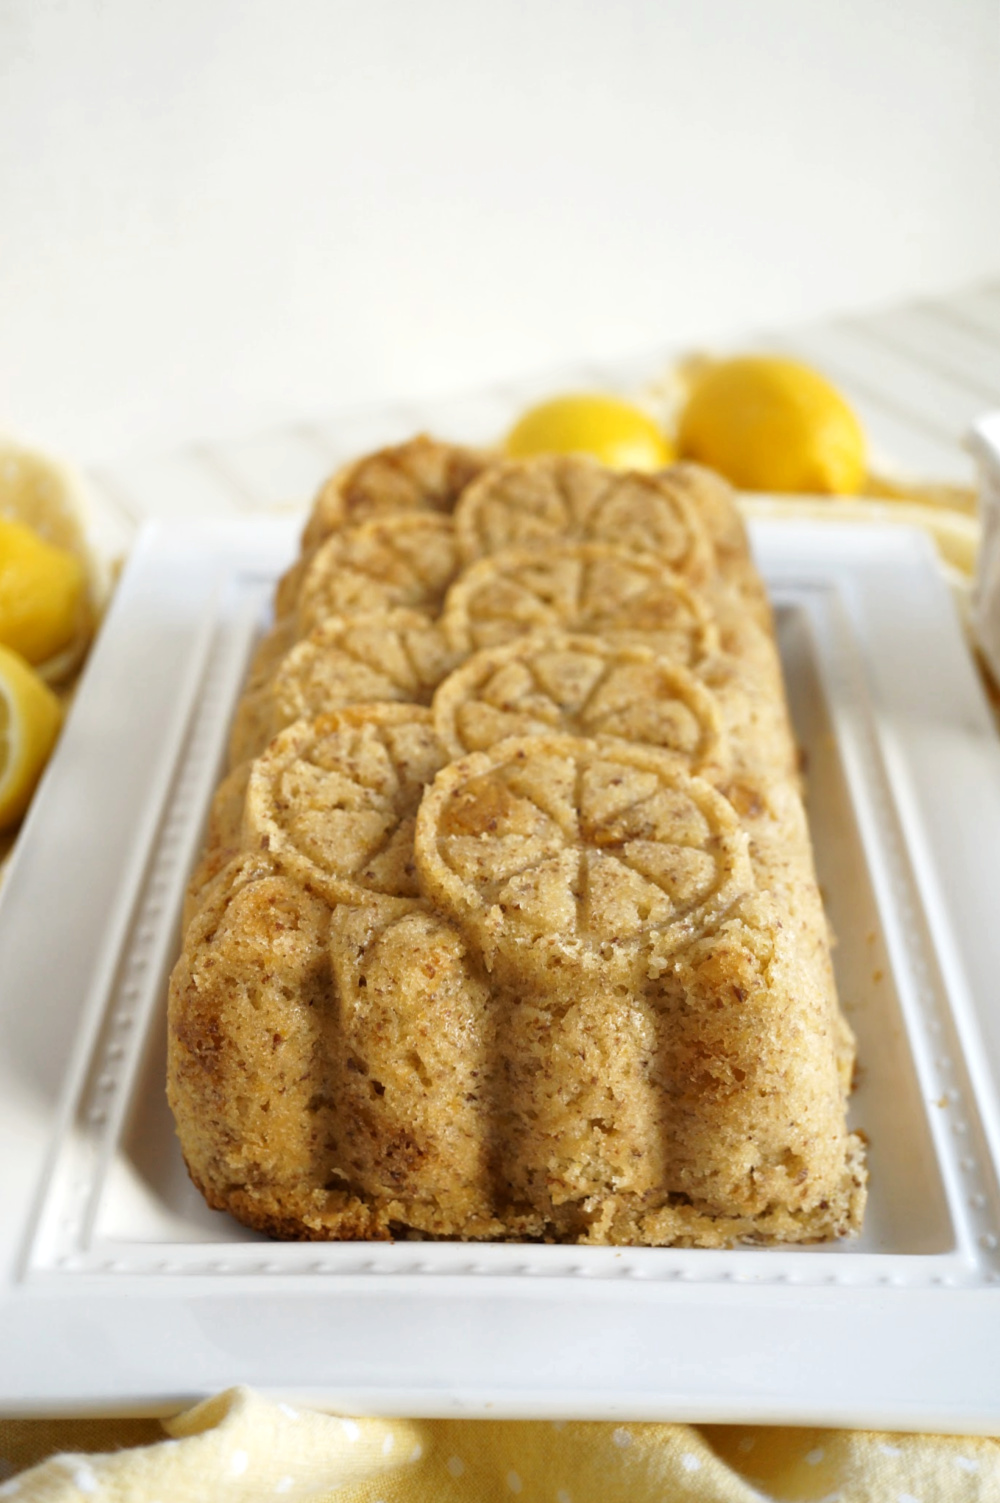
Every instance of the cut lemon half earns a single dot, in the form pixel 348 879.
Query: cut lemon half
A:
pixel 30 716
pixel 41 494
pixel 38 494
pixel 613 431
pixel 42 594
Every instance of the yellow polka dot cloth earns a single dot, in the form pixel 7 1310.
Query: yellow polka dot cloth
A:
pixel 239 1446
pixel 242 1447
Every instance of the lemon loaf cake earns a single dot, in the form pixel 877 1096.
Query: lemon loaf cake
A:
pixel 506 924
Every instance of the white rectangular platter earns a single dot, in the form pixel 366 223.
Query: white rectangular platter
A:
pixel 121 1292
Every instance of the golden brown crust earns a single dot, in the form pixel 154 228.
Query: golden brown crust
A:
pixel 223 839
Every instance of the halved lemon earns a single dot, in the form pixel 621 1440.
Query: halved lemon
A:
pixel 30 716
pixel 38 494
pixel 614 431
pixel 42 594
pixel 43 495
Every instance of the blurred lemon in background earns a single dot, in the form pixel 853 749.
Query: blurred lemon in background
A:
pixel 41 494
pixel 42 590
pixel 771 424
pixel 30 716
pixel 614 431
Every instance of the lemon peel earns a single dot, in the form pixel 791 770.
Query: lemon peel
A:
pixel 30 717
pixel 768 423
pixel 42 594
pixel 614 431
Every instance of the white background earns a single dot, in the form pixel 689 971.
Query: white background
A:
pixel 216 214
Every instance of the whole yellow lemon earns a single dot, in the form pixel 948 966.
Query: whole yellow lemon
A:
pixel 614 431
pixel 771 424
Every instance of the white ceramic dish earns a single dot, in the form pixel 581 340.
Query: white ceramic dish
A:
pixel 121 1292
